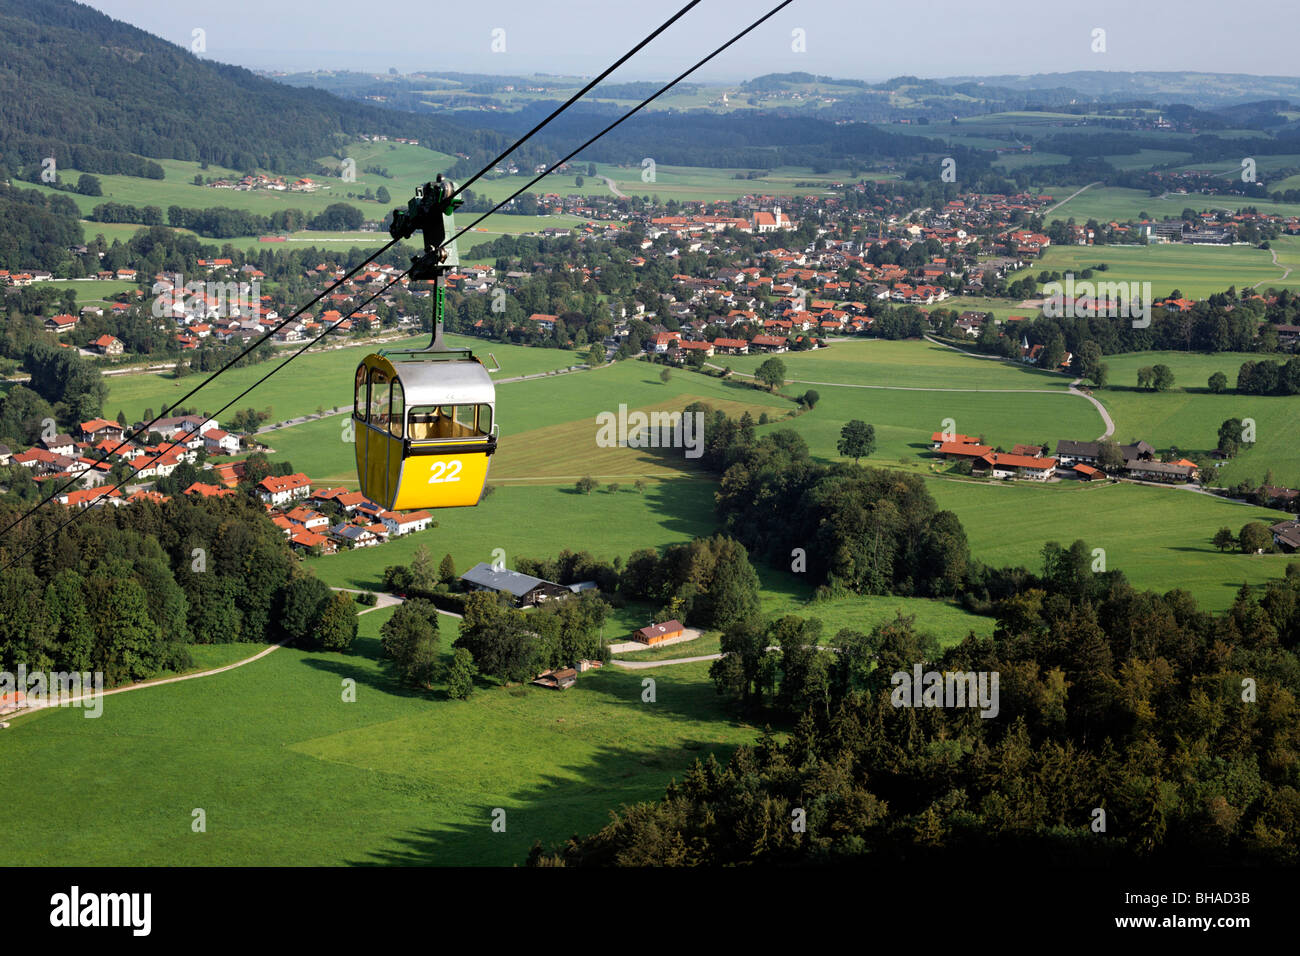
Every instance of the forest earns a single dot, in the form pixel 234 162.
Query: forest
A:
pixel 126 590
pixel 1132 726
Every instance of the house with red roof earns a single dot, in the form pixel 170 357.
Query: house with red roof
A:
pixel 277 489
pixel 219 442
pixel 1000 465
pixel 108 345
pixel 58 324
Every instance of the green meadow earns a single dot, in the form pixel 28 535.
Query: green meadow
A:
pixel 1188 415
pixel 1196 271
pixel 289 774
pixel 904 421
pixel 539 521
pixel 1159 537
pixel 1107 203
pixel 318 378
pixel 904 364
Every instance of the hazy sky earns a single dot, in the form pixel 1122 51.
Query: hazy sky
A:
pixel 850 38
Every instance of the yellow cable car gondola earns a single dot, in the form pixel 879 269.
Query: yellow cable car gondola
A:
pixel 424 420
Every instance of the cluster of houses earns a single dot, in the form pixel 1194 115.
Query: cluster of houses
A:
pixel 1082 459
pixel 26 277
pixel 84 462
pixel 272 183
pixel 86 458
pixel 526 591
pixel 294 508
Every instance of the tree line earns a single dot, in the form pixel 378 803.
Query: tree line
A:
pixel 1131 726
pixel 127 590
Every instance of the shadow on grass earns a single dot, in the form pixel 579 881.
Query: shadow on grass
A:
pixel 574 800
pixel 366 666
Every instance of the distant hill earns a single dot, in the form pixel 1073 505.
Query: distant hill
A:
pixel 1202 90
pixel 71 77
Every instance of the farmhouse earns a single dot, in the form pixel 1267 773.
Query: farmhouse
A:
pixel 107 345
pixel 1159 470
pixel 399 524
pixel 654 633
pixel 523 589
pixel 1088 452
pixel 1000 465
pixel 354 534
pixel 964 451
pixel 59 324
pixel 218 442
pixel 98 428
pixel 1286 535
pixel 939 438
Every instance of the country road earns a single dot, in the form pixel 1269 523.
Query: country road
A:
pixel 1073 389
pixel 152 683
pixel 643 665
pixel 613 187
pixel 1049 211
pixel 384 600
pixel 1281 278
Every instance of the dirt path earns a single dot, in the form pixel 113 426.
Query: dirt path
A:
pixel 153 683
pixel 644 665
pixel 1282 278
pixel 1073 389
pixel 1048 212
pixel 384 600
pixel 613 187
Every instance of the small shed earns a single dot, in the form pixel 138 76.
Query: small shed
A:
pixel 654 633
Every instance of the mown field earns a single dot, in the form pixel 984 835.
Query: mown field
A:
pixel 1159 537
pixel 1188 416
pixel 318 378
pixel 1106 203
pixel 905 364
pixel 289 774
pixel 548 426
pixel 1196 271
pixel 539 521
pixel 670 182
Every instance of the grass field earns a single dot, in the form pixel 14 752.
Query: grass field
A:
pixel 1196 271
pixel 1188 416
pixel 548 426
pixel 671 182
pixel 89 291
pixel 1159 537
pixel 1106 203
pixel 293 776
pixel 539 521
pixel 901 364
pixel 317 378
